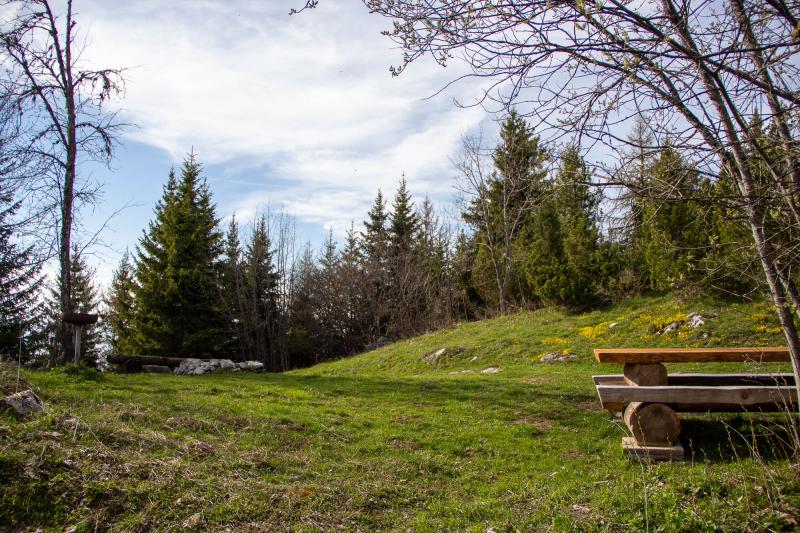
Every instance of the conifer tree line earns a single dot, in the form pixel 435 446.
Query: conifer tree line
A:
pixel 534 230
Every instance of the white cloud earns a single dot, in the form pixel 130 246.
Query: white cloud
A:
pixel 305 100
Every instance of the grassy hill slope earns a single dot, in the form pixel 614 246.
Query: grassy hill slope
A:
pixel 388 440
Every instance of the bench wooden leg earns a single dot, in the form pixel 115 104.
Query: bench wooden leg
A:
pixel 649 375
pixel 652 423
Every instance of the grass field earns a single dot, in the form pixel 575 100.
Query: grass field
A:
pixel 388 441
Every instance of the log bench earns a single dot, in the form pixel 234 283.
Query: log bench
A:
pixel 649 398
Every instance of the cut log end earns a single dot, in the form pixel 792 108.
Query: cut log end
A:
pixel 652 423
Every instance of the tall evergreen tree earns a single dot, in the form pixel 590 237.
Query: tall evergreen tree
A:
pixel 672 235
pixel 20 283
pixel 375 247
pixel 178 306
pixel 563 263
pixel 503 206
pixel 232 293
pixel 85 298
pixel 403 221
pixel 303 325
pixel 120 308
pixel 263 335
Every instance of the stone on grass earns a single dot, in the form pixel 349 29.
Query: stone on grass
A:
pixel 432 357
pixel 194 367
pixel 156 369
pixel 490 370
pixel 695 320
pixel 227 365
pixel 24 403
pixel 557 357
pixel 251 366
pixel 193 522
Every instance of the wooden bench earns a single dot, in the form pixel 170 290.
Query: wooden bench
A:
pixel 649 398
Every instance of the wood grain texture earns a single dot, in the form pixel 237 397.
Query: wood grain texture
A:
pixel 653 453
pixel 615 397
pixel 708 379
pixel 690 355
pixel 641 374
pixel 652 423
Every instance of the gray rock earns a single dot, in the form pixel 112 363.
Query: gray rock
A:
pixel 194 367
pixel 24 403
pixel 673 326
pixel 156 369
pixel 227 365
pixel 432 357
pixel 558 357
pixel 251 366
pixel 695 320
pixel 490 370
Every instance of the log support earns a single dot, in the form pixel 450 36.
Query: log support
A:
pixel 652 424
pixel 645 375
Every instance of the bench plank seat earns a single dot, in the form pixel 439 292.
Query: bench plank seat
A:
pixel 710 379
pixel 690 355
pixel 683 398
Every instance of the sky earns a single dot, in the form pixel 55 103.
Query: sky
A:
pixel 298 113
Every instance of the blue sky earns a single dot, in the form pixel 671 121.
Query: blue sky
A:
pixel 299 113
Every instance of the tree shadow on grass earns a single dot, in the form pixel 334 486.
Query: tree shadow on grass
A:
pixel 764 437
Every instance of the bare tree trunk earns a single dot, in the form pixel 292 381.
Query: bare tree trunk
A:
pixel 776 290
pixel 67 205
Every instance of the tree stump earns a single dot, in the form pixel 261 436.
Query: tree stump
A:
pixel 652 423
pixel 645 375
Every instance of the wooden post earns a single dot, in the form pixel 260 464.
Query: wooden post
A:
pixel 645 375
pixel 78 344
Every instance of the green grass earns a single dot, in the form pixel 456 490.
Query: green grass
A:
pixel 387 441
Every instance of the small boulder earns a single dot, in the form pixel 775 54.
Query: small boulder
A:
pixel 672 326
pixel 432 357
pixel 556 357
pixel 193 522
pixel 227 365
pixel 194 367
pixel 24 403
pixel 695 320
pixel 490 370
pixel 251 366
pixel 156 369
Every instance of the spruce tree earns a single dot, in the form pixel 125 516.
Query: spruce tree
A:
pixel 232 293
pixel 20 283
pixel 375 246
pixel 120 308
pixel 563 262
pixel 178 306
pixel 85 298
pixel 329 302
pixel 263 334
pixel 403 221
pixel 303 325
pixel 672 236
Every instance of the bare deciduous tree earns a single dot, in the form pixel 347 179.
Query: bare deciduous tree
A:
pixel 704 72
pixel 60 106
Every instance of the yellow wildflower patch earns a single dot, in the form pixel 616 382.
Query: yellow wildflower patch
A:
pixel 659 321
pixel 554 341
pixel 594 332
